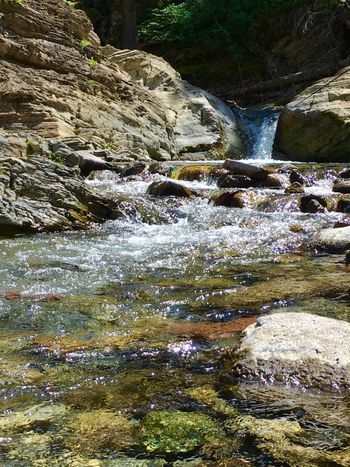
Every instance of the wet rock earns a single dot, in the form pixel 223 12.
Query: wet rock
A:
pixel 235 181
pixel 192 172
pixel 211 331
pixel 344 205
pixel 99 430
pixel 255 172
pixel 332 240
pixel 216 173
pixel 39 195
pixel 175 432
pixel 344 222
pixel 313 203
pixel 342 187
pixel 344 173
pixel 230 199
pixel 296 177
pixel 136 169
pixel 169 188
pixel 347 258
pixel 313 207
pixel 89 163
pixel 294 188
pixel 275 181
pixel 297 349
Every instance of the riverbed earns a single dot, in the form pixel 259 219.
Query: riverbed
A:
pixel 127 327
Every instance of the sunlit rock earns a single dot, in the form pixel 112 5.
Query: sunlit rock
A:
pixel 297 349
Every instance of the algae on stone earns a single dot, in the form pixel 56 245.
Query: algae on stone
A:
pixel 175 432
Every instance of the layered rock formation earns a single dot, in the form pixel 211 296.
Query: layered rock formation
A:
pixel 58 82
pixel 65 97
pixel 37 194
pixel 315 126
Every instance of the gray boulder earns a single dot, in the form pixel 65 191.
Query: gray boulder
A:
pixel 297 349
pixel 332 240
pixel 38 195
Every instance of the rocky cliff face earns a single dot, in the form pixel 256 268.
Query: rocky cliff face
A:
pixel 64 97
pixel 57 82
pixel 315 126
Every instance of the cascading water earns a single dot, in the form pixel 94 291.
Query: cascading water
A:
pixel 258 127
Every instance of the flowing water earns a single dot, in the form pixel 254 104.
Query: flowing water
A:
pixel 114 349
pixel 258 128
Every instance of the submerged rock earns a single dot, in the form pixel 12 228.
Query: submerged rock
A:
pixel 332 240
pixel 98 430
pixel 296 349
pixel 175 432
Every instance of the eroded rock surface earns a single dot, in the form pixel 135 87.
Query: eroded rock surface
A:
pixel 315 126
pixel 297 349
pixel 332 240
pixel 39 195
pixel 56 81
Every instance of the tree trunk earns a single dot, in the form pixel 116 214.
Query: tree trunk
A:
pixel 129 33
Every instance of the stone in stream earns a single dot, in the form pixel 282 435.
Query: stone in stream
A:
pixel 135 169
pixel 192 172
pixel 332 240
pixel 342 187
pixel 235 181
pixel 313 203
pixel 344 173
pixel 296 177
pixel 344 205
pixel 255 172
pixel 38 195
pixel 276 181
pixel 231 199
pixel 294 188
pixel 170 188
pixel 296 349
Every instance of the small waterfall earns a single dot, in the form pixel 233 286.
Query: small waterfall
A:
pixel 258 127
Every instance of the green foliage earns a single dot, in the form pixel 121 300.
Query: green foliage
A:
pixel 212 23
pixel 174 432
pixel 92 63
pixel 11 1
pixel 85 42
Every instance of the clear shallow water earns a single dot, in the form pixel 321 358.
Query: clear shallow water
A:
pixel 101 328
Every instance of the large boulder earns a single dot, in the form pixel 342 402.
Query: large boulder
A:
pixel 315 126
pixel 200 122
pixel 57 82
pixel 38 195
pixel 297 349
pixel 332 240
